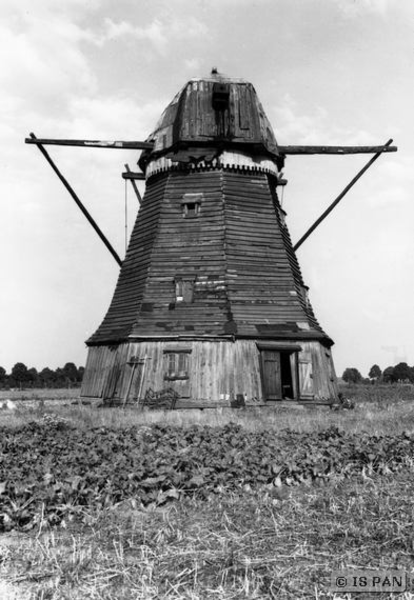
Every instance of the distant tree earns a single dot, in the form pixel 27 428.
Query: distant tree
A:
pixel 81 371
pixel 375 372
pixel 402 372
pixel 70 372
pixel 20 374
pixel 3 376
pixel 33 378
pixel 47 378
pixel 352 375
pixel 60 379
pixel 388 375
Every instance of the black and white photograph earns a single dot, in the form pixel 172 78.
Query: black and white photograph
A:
pixel 207 250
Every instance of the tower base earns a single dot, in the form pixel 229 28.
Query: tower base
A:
pixel 201 374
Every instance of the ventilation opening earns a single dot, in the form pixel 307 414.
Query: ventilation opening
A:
pixel 191 205
pixel 191 210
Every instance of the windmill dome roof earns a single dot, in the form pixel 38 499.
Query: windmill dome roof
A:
pixel 213 111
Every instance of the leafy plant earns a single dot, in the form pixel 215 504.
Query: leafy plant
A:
pixel 51 472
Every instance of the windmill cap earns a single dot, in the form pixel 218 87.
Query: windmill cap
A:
pixel 213 111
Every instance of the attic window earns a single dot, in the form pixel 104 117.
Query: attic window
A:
pixel 221 96
pixel 191 205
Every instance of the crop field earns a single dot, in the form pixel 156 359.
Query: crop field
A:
pixel 111 503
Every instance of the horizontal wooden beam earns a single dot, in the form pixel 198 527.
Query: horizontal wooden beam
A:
pixel 120 145
pixel 137 145
pixel 132 175
pixel 335 149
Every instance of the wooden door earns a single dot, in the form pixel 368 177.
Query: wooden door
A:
pixel 272 383
pixel 306 387
pixel 132 381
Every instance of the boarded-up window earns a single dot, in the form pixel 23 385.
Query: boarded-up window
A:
pixel 184 289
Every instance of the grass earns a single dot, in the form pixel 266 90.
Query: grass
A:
pixel 38 394
pixel 254 544
pixel 250 545
pixel 380 410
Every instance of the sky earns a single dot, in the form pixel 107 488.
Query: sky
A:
pixel 326 71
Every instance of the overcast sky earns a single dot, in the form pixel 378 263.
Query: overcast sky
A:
pixel 326 71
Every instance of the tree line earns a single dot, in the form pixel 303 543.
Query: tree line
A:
pixel 21 377
pixel 400 373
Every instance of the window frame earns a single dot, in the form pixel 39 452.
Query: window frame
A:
pixel 174 359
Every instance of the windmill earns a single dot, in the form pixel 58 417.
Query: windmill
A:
pixel 210 301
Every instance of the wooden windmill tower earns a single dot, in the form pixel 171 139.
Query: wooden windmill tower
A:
pixel 210 300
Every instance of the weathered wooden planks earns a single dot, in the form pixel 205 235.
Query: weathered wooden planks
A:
pixel 210 271
pixel 191 119
pixel 218 371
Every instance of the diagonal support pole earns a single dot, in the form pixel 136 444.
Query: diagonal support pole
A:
pixel 341 195
pixel 77 200
pixel 134 185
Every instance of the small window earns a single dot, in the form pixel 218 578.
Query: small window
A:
pixel 191 210
pixel 191 205
pixel 184 290
pixel 177 365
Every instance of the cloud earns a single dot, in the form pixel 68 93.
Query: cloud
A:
pixel 355 8
pixel 391 187
pixel 159 33
pixel 41 67
pixel 192 64
pixel 74 9
pixel 313 127
pixel 113 116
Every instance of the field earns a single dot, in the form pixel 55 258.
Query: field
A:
pixel 105 503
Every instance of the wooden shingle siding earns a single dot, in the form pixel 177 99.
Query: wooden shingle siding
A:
pixel 260 254
pixel 187 247
pixel 129 291
pixel 237 252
